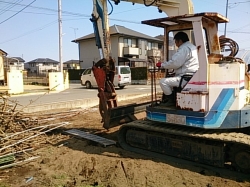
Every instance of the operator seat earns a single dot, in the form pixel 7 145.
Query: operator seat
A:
pixel 187 78
pixel 178 89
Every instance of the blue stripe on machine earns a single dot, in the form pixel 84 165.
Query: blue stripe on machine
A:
pixel 215 116
pixel 220 108
pixel 218 112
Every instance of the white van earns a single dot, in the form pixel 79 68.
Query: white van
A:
pixel 121 79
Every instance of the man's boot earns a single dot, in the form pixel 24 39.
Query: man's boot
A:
pixel 164 98
pixel 170 100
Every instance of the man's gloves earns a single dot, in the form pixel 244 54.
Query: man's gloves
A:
pixel 158 64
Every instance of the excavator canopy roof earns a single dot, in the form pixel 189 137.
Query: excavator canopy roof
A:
pixel 182 19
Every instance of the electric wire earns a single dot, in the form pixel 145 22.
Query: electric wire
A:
pixel 79 14
pixel 10 6
pixel 240 2
pixel 17 12
pixel 84 15
pixel 47 9
pixel 30 32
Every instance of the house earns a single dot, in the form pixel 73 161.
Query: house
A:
pixel 129 47
pixel 41 65
pixel 15 63
pixel 71 64
pixel 3 54
pixel 171 45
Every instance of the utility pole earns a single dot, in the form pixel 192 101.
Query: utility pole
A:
pixel 60 34
pixel 225 30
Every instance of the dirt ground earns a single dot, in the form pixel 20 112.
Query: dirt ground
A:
pixel 69 161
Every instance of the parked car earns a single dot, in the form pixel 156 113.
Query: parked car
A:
pixel 121 79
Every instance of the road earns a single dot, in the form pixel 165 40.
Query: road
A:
pixel 76 92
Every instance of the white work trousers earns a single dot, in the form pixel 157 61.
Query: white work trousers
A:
pixel 167 84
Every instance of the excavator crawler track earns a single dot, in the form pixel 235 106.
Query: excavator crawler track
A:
pixel 211 147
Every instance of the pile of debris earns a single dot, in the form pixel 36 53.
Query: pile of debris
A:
pixel 20 133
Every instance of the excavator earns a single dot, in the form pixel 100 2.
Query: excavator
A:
pixel 210 122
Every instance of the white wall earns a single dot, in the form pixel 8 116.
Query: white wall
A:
pixel 89 51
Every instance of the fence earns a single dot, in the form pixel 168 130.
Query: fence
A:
pixel 139 75
pixel 36 81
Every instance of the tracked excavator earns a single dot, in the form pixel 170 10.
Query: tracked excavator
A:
pixel 210 122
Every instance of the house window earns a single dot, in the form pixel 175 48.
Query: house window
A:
pixel 154 46
pixel 54 65
pixel 127 42
pixel 149 45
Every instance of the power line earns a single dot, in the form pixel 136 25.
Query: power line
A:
pixel 17 12
pixel 224 6
pixel 30 32
pixel 10 6
pixel 31 12
pixel 242 32
pixel 240 2
pixel 245 40
pixel 129 10
pixel 48 9
pixel 241 27
pixel 233 5
pixel 81 15
pixel 66 12
pixel 50 14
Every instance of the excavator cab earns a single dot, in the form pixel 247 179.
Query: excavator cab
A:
pixel 210 122
pixel 203 88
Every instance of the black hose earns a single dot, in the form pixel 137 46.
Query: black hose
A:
pixel 234 47
pixel 149 3
pixel 111 7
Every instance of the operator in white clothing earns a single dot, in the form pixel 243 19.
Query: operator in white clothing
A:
pixel 184 61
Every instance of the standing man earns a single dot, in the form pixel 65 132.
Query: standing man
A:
pixel 184 61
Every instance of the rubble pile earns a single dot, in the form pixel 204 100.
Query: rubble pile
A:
pixel 20 133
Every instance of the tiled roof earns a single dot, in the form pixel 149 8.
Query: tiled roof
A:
pixel 43 60
pixel 72 62
pixel 171 39
pixel 117 29
pixel 14 59
pixel 3 52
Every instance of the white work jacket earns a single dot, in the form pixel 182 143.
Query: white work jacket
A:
pixel 184 61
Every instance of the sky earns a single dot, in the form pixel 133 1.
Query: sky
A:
pixel 29 28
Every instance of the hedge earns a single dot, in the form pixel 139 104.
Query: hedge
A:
pixel 75 74
pixel 137 73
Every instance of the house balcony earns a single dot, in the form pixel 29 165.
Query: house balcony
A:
pixel 154 53
pixel 130 51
